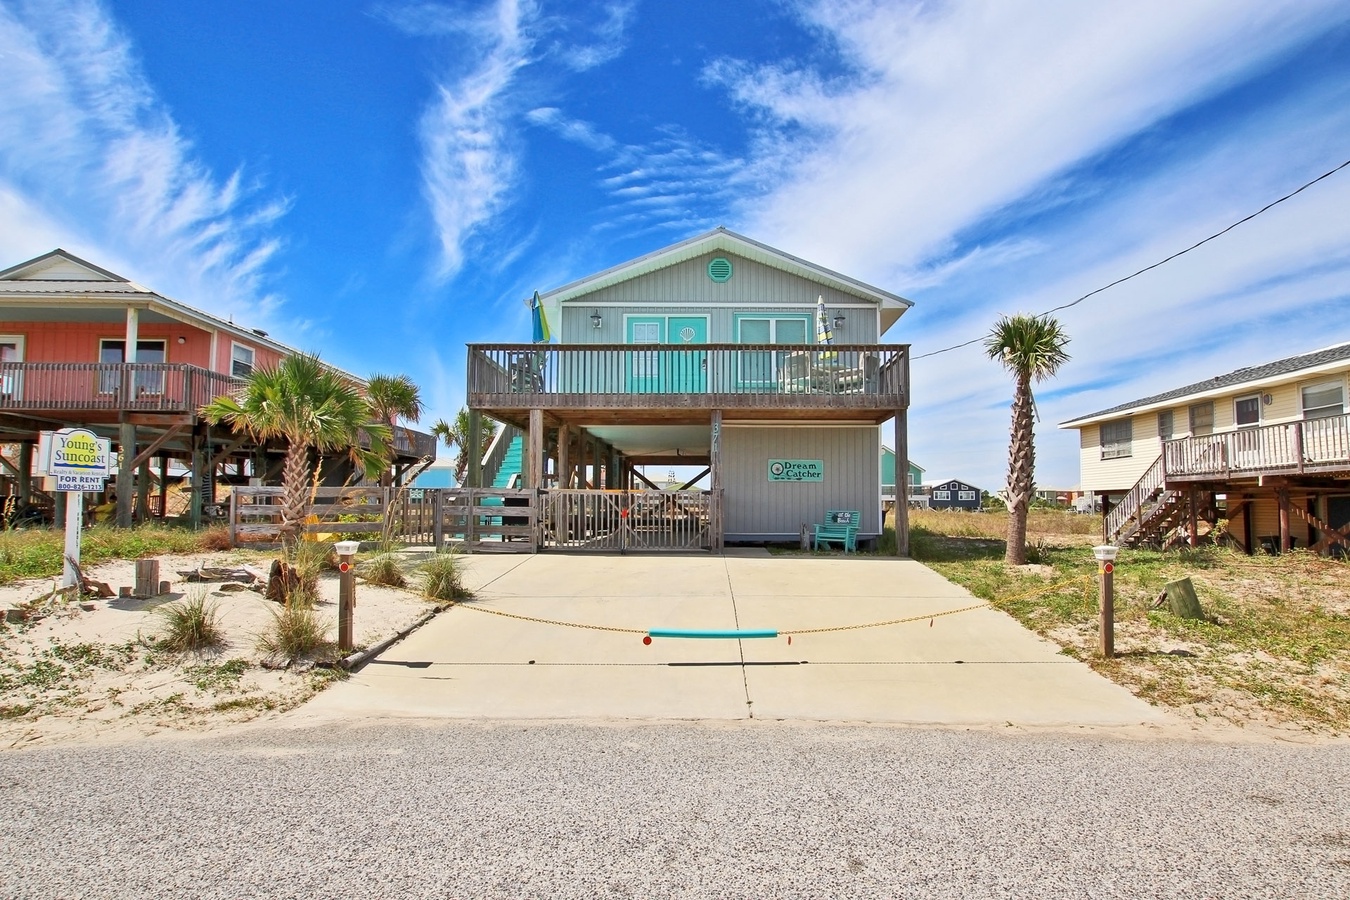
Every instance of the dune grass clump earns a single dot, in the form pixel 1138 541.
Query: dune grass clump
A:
pixel 384 569
pixel 296 633
pixel 442 579
pixel 190 626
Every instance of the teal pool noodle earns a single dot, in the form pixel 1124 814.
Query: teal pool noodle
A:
pixel 696 633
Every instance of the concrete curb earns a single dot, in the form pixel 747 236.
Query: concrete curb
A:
pixel 361 657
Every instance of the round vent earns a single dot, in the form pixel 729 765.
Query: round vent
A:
pixel 719 269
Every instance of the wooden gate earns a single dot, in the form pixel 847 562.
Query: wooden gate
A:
pixel 627 520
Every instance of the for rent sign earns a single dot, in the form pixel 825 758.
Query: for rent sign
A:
pixel 796 470
pixel 76 452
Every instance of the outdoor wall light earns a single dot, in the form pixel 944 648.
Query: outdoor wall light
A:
pixel 596 321
pixel 838 321
pixel 1105 553
pixel 182 340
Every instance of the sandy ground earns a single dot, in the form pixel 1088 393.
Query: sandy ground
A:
pixel 88 671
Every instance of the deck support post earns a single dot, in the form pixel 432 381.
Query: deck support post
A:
pixel 716 534
pixel 474 476
pixel 901 488
pixel 143 493
pixel 534 466
pixel 126 441
pixel 596 447
pixel 194 481
pixel 24 477
pixel 1193 525
pixel 164 488
pixel 564 456
pixel 1282 500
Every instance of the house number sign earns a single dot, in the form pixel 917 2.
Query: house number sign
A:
pixel 796 470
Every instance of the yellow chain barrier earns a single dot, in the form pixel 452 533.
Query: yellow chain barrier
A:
pixel 883 624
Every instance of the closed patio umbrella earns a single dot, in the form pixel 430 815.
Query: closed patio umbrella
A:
pixel 823 333
pixel 541 333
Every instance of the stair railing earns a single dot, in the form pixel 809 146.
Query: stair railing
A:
pixel 496 452
pixel 1152 479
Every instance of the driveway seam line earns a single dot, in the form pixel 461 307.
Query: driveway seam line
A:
pixel 740 644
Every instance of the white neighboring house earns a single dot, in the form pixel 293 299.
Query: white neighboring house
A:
pixel 1267 447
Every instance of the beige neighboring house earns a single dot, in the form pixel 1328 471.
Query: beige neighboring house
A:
pixel 1267 447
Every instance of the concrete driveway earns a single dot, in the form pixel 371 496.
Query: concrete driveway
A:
pixel 968 668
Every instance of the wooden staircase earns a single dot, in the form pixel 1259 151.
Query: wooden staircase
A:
pixel 1149 514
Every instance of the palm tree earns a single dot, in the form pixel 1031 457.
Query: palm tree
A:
pixel 456 436
pixel 393 397
pixel 1031 348
pixel 310 406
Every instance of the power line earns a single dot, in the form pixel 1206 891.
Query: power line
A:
pixel 1161 262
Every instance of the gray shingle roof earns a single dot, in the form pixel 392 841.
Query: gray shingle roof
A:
pixel 1275 369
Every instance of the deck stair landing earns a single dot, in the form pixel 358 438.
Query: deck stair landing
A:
pixel 1149 514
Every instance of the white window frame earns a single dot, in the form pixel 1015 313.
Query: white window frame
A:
pixel 11 384
pixel 1302 396
pixel 965 495
pixel 756 375
pixel 942 495
pixel 1171 420
pixel 151 382
pixel 235 347
pixel 1190 418
pixel 1246 398
pixel 1117 448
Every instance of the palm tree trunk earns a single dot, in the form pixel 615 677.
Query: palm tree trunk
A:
pixel 1021 470
pixel 295 481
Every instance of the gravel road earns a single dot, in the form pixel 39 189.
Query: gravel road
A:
pixel 456 810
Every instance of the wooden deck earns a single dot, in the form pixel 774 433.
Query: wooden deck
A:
pixel 681 384
pixel 1305 447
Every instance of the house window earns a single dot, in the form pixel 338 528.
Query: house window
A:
pixel 241 361
pixel 1323 400
pixel 1247 411
pixel 966 495
pixel 763 367
pixel 11 379
pixel 1117 438
pixel 1165 425
pixel 114 351
pixel 942 495
pixel 1202 418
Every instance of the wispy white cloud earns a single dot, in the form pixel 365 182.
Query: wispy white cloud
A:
pixel 608 36
pixel 574 130
pixel 468 162
pixel 87 149
pixel 951 154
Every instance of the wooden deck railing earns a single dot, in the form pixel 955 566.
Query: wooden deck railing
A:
pixel 138 387
pixel 525 374
pixel 1304 446
pixel 149 387
pixel 1147 485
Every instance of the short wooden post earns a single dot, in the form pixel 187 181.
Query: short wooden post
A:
pixel 1106 566
pixel 147 578
pixel 346 592
pixel 437 518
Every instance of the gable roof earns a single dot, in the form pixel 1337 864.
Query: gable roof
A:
pixel 1252 376
pixel 892 305
pixel 62 277
pixel 912 463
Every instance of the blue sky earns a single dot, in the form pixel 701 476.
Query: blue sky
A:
pixel 386 181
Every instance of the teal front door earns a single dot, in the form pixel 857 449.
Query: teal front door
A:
pixel 667 371
pixel 687 372
pixel 644 366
